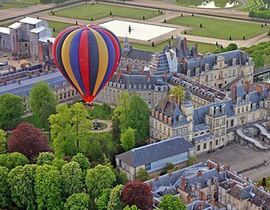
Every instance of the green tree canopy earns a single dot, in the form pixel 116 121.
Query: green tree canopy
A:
pixel 11 160
pixel 82 160
pixel 135 114
pixel 178 92
pixel 77 201
pixel 170 202
pixel 11 110
pixel 3 142
pixel 45 158
pixel 70 127
pixel 22 186
pixel 133 207
pixel 99 178
pixel 42 102
pixel 115 198
pixel 72 179
pixel 4 189
pixel 48 188
pixel 142 175
pixel 103 199
pixel 128 139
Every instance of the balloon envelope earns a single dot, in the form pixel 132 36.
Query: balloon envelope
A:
pixel 87 56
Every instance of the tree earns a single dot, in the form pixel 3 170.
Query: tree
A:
pixel 11 110
pixel 77 201
pixel 103 199
pixel 115 198
pixel 3 142
pixel 178 92
pixel 99 178
pixel 45 158
pixel 142 175
pixel 128 139
pixel 72 179
pixel 11 160
pixel 4 189
pixel 82 160
pixel 170 202
pixel 139 194
pixel 48 188
pixel 135 114
pixel 21 181
pixel 69 128
pixel 28 140
pixel 192 160
pixel 42 102
pixel 133 207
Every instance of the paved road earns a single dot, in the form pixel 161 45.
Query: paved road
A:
pixel 240 158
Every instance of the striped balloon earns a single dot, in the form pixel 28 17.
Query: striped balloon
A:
pixel 87 56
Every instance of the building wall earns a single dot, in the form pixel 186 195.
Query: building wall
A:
pixel 5 42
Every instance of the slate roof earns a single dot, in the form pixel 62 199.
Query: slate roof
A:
pixel 138 79
pixel 192 64
pixel 154 152
pixel 23 89
pixel 139 54
pixel 171 109
pixel 199 113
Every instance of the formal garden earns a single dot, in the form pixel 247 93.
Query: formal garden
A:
pixel 219 28
pixel 98 11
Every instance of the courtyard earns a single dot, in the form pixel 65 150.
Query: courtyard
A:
pixel 137 31
pixel 241 158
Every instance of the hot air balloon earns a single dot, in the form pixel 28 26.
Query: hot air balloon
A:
pixel 87 56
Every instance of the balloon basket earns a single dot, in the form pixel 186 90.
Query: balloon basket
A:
pixel 89 106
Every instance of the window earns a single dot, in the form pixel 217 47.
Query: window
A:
pixel 217 142
pixel 232 122
pixel 204 146
pixel 198 147
pixel 148 166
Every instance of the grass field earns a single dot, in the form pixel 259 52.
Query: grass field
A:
pixel 218 28
pixel 195 3
pixel 17 4
pixel 252 4
pixel 98 11
pixel 58 26
pixel 202 47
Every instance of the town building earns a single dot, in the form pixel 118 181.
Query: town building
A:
pixel 154 157
pixel 216 124
pixel 210 186
pixel 24 38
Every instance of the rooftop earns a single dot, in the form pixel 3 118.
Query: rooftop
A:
pixel 15 25
pixel 38 29
pixel 4 30
pixel 154 152
pixel 29 20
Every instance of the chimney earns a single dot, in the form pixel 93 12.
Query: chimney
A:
pixel 218 167
pixel 202 196
pixel 247 86
pixel 200 173
pixel 233 92
pixel 183 183
pixel 258 88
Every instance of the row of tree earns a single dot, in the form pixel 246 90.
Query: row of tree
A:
pixel 52 183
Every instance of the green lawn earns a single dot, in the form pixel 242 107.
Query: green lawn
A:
pixel 34 120
pixel 252 4
pixel 218 28
pixel 17 4
pixel 202 47
pixel 195 3
pixel 103 112
pixel 58 26
pixel 97 11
